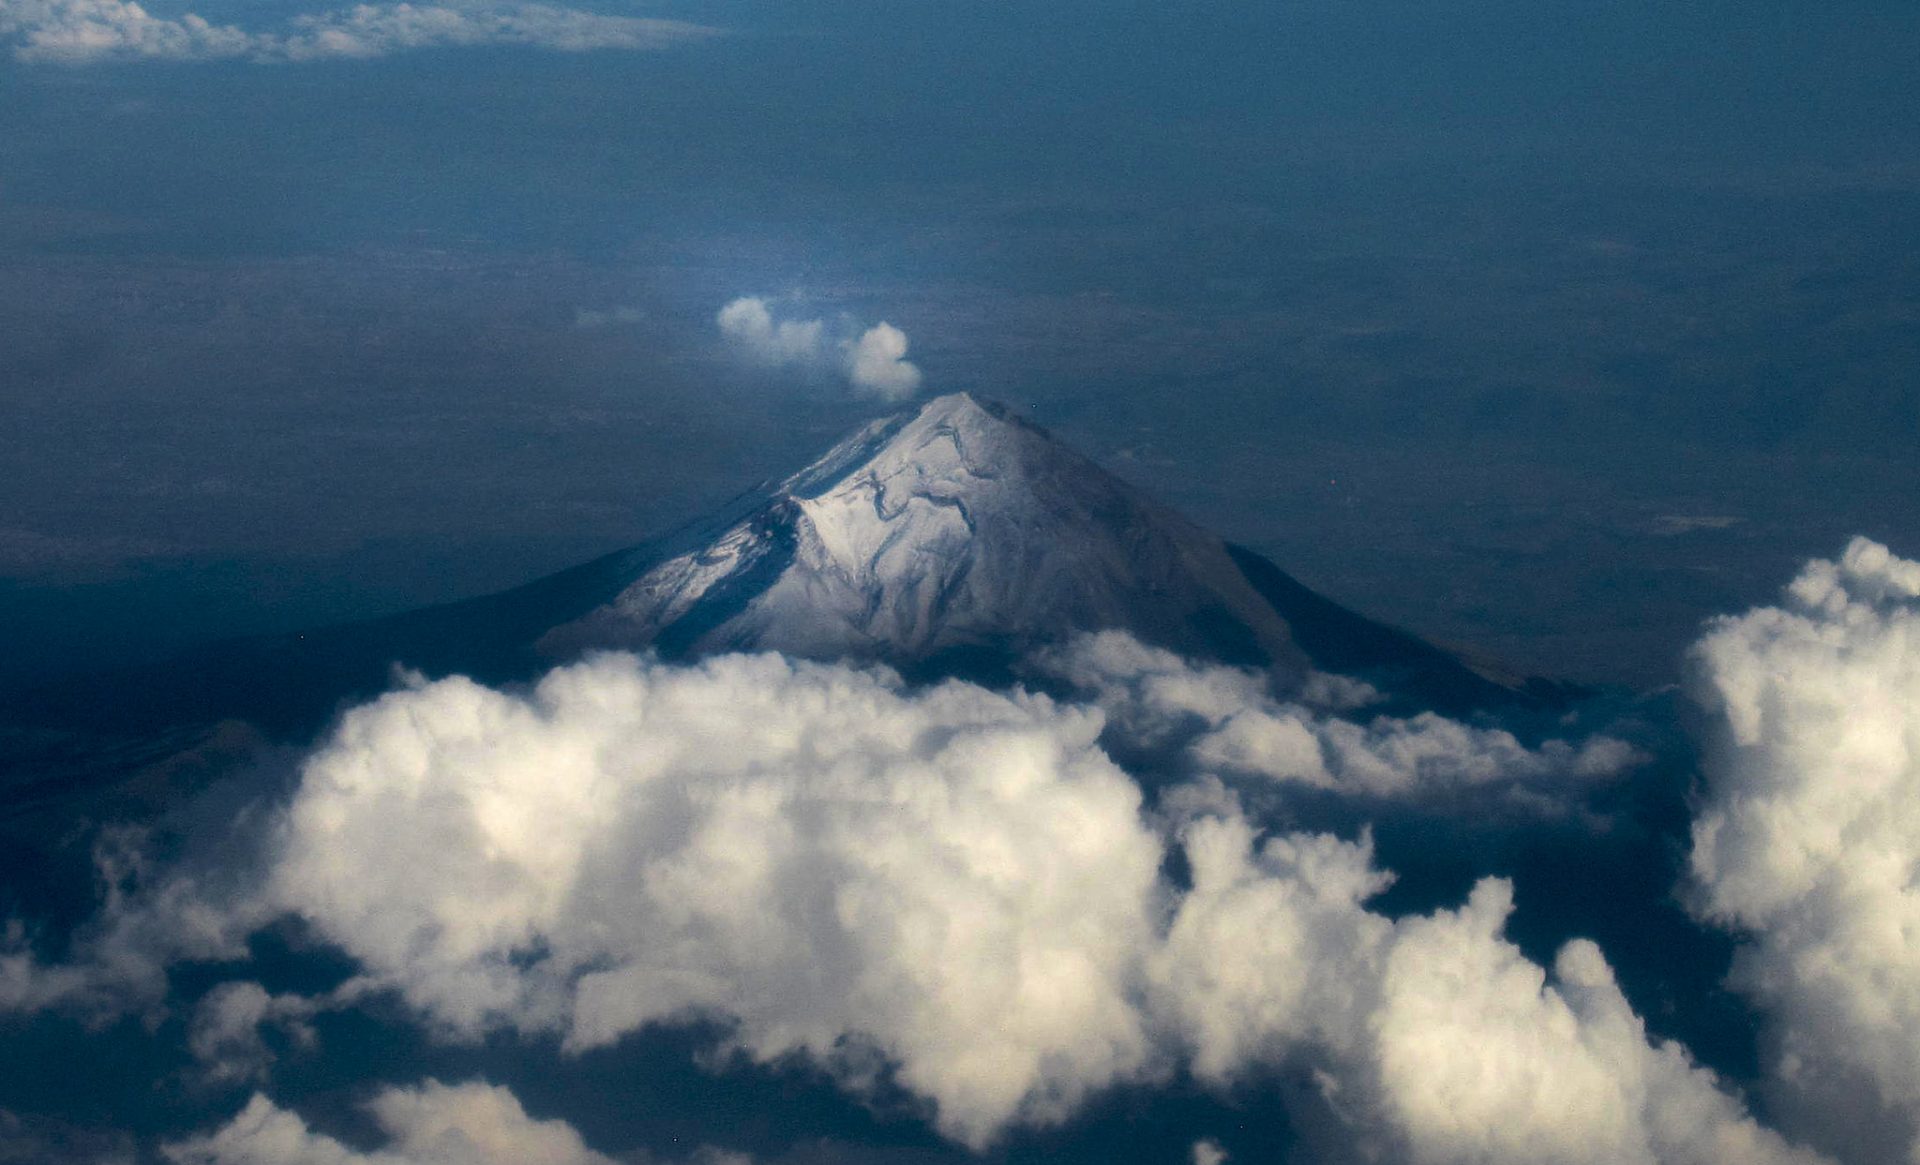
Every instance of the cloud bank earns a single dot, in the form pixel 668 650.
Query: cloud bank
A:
pixel 957 880
pixel 76 32
pixel 873 360
pixel 953 890
pixel 1226 721
pixel 1809 838
pixel 953 882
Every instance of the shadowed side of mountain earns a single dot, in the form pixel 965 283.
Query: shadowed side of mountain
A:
pixel 291 685
pixel 1414 671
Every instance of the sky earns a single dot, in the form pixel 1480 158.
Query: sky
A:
pixel 1580 333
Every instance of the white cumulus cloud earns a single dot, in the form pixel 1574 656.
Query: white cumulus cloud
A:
pixel 748 322
pixel 954 882
pixel 1433 1038
pixel 1230 723
pixel 877 362
pixel 873 360
pixel 1809 837
pixel 957 879
pixel 1560 1067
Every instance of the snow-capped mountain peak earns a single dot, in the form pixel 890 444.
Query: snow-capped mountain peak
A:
pixel 952 527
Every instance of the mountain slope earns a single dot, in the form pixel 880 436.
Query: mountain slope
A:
pixel 954 529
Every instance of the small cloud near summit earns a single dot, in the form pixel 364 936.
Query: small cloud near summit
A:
pixel 873 359
pixel 877 363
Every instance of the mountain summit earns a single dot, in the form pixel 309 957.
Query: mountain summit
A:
pixel 957 537
pixel 951 529
pixel 953 538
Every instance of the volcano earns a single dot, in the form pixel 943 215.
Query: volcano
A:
pixel 948 532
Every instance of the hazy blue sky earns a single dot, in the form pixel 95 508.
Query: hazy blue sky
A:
pixel 1547 326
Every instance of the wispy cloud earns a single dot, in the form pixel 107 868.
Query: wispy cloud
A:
pixel 76 32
